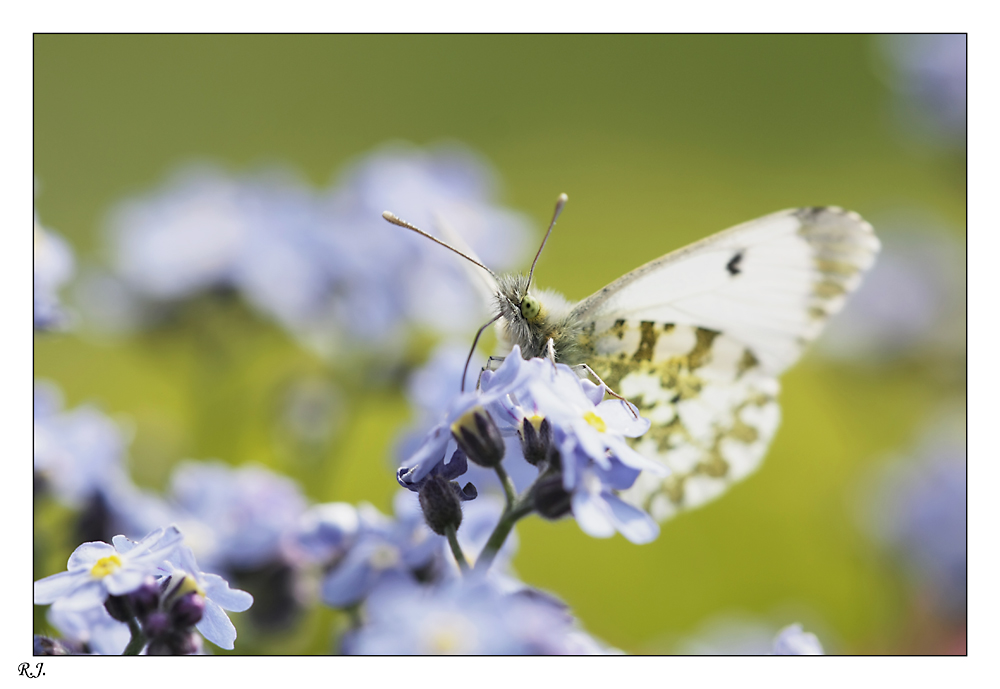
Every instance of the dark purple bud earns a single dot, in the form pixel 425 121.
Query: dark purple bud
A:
pixel 156 624
pixel 477 434
pixel 119 608
pixel 146 598
pixel 441 505
pixel 187 611
pixel 550 498
pixel 535 433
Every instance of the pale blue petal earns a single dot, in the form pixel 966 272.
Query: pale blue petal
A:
pixel 631 522
pixel 620 418
pixel 592 514
pixel 216 626
pixel 125 580
pixel 630 458
pixel 593 391
pixel 217 590
pixel 346 584
pixel 88 554
pixel 89 595
pixel 54 587
pixel 122 544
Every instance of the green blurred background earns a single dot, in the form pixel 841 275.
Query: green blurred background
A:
pixel 658 141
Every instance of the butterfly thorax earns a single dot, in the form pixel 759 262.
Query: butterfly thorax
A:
pixel 553 321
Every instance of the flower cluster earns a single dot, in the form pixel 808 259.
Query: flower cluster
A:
pixel 466 617
pixel 408 595
pixel 323 264
pixel 153 586
pixel 78 452
pixel 567 430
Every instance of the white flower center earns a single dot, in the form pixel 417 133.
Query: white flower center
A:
pixel 384 556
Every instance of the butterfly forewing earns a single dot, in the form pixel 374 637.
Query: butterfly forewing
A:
pixel 770 283
pixel 697 338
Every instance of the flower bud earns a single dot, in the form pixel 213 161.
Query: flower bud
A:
pixel 477 434
pixel 145 598
pixel 175 644
pixel 441 505
pixel 188 610
pixel 156 624
pixel 118 607
pixel 551 499
pixel 535 433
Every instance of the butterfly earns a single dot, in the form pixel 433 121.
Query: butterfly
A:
pixel 695 339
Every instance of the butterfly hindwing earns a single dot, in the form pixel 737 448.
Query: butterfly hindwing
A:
pixel 712 408
pixel 697 339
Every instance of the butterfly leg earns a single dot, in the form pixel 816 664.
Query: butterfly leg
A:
pixel 488 367
pixel 550 351
pixel 591 372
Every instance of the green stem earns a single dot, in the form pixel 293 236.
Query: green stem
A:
pixel 456 549
pixel 520 509
pixel 508 486
pixel 137 641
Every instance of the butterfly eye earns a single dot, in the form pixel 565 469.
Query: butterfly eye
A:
pixel 530 307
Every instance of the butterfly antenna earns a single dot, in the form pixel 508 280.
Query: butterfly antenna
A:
pixel 555 216
pixel 402 223
pixel 471 351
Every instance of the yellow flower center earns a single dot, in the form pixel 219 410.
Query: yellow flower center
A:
pixel 450 634
pixel 595 421
pixel 105 566
pixel 187 585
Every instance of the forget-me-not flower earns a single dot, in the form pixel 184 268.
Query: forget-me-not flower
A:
pixel 96 570
pixel 384 549
pixel 464 617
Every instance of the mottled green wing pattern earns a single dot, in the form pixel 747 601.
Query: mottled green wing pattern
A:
pixel 713 409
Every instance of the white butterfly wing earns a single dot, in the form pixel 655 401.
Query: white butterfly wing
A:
pixel 769 283
pixel 697 338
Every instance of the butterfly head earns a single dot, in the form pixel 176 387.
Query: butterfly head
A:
pixel 530 307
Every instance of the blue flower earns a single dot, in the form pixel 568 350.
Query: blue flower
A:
pixel 323 264
pixel 321 534
pixel 247 509
pixel 96 570
pixel 456 467
pixel 595 459
pixel 589 432
pixel 429 390
pixel 78 452
pixel 919 512
pixel 464 617
pixel 214 624
pixel 53 266
pixel 92 627
pixel 928 73
pixel 792 641
pixel 384 549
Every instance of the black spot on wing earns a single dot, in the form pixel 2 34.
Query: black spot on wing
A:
pixel 734 263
